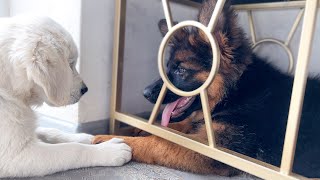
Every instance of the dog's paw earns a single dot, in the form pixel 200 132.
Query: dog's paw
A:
pixel 101 138
pixel 114 152
pixel 48 135
pixel 81 138
pixel 51 135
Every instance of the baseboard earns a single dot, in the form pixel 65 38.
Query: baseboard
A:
pixel 95 127
pixel 102 126
pixel 51 122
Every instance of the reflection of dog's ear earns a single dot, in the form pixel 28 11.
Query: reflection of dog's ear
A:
pixel 47 69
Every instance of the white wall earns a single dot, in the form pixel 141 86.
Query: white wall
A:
pixel 4 8
pixel 96 58
pixel 277 24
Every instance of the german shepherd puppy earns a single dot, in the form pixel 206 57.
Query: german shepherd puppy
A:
pixel 249 101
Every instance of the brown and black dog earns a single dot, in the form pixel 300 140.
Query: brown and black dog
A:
pixel 249 99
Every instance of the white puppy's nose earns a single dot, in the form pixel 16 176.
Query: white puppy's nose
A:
pixel 84 89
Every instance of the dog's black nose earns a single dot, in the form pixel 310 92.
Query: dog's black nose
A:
pixel 84 90
pixel 147 93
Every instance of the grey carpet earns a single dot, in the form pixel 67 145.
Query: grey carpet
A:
pixel 131 171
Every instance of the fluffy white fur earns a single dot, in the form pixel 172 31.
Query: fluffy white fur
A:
pixel 37 64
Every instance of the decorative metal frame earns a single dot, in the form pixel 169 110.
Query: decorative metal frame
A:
pixel 244 163
pixel 284 45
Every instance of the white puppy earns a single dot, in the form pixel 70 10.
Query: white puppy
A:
pixel 37 64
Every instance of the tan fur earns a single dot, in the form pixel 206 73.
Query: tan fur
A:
pixel 203 36
pixel 190 65
pixel 182 55
pixel 155 150
pixel 215 89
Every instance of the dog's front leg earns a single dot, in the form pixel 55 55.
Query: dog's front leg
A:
pixel 54 136
pixel 155 150
pixel 38 159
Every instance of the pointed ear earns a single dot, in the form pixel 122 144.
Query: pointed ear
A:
pixel 178 36
pixel 49 70
pixel 163 26
pixel 207 9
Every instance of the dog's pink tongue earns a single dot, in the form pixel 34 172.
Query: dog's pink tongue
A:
pixel 166 114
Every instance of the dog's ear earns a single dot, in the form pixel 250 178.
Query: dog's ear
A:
pixel 207 9
pixel 226 20
pixel 179 35
pixel 49 69
pixel 163 27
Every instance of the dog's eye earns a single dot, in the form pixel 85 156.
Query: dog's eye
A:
pixel 180 70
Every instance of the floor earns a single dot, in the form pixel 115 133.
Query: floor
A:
pixel 131 171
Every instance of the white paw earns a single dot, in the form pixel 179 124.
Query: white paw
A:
pixel 114 152
pixel 51 135
pixel 83 138
pixel 48 135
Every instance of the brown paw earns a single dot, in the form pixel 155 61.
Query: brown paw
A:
pixel 101 138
